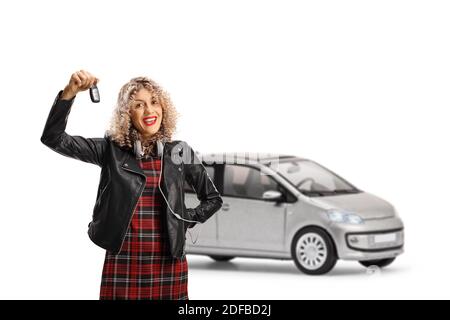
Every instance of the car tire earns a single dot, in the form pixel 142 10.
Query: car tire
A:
pixel 221 258
pixel 313 251
pixel 381 263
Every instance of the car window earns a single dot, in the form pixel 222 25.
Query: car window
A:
pixel 209 169
pixel 309 176
pixel 247 182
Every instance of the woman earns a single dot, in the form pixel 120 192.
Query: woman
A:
pixel 139 217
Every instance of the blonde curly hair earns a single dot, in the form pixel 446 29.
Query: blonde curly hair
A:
pixel 122 130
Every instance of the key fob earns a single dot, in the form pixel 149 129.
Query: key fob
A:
pixel 95 95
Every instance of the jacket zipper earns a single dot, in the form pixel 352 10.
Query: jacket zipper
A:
pixel 132 213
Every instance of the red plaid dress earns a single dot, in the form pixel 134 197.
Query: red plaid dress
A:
pixel 144 268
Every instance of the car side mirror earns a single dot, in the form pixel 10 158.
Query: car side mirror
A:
pixel 272 195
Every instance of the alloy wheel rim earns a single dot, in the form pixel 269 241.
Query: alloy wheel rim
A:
pixel 311 251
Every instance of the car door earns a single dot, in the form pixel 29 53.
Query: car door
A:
pixel 247 221
pixel 204 234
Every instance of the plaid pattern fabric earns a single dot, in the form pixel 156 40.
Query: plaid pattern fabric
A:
pixel 145 268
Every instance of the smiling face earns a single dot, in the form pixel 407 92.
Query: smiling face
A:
pixel 146 113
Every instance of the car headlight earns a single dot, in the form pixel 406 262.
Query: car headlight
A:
pixel 340 216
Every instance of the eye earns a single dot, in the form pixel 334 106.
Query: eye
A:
pixel 138 105
pixel 154 101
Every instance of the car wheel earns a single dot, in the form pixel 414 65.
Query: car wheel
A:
pixel 313 251
pixel 381 263
pixel 221 258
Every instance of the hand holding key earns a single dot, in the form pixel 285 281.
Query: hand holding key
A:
pixel 81 81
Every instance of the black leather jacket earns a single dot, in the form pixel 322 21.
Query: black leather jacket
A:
pixel 122 181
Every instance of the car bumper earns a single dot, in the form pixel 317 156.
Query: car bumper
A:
pixel 375 239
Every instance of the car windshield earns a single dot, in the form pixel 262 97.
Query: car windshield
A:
pixel 312 179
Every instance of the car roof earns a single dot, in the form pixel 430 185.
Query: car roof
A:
pixel 230 157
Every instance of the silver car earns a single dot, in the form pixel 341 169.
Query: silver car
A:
pixel 286 207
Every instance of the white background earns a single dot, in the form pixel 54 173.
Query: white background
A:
pixel 359 86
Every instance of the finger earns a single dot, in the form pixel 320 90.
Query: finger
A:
pixel 90 78
pixel 83 78
pixel 86 82
pixel 88 74
pixel 82 75
pixel 84 72
pixel 77 79
pixel 85 86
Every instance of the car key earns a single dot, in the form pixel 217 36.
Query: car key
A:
pixel 95 95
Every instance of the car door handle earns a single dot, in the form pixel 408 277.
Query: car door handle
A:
pixel 225 207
